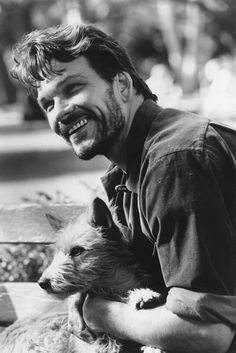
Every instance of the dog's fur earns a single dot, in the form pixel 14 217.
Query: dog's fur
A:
pixel 92 257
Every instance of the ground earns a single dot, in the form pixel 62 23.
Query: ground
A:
pixel 33 159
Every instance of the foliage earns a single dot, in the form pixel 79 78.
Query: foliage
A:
pixel 24 262
pixel 43 198
pixel 221 26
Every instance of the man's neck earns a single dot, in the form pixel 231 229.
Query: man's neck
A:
pixel 119 155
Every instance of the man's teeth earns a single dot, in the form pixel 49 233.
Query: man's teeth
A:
pixel 78 125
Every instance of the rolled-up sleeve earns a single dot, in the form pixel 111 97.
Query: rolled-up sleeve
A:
pixel 187 204
pixel 207 307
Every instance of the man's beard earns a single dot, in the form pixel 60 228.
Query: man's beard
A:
pixel 108 129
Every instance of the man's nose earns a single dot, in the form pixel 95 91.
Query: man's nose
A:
pixel 45 283
pixel 63 110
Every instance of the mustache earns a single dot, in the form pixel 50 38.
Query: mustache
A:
pixel 72 118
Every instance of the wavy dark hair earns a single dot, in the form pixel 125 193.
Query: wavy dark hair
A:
pixel 34 53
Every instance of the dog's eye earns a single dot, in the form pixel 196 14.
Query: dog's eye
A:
pixel 76 251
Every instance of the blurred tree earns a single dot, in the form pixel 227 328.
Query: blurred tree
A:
pixel 134 24
pixel 7 88
pixel 222 27
pixel 9 14
pixel 182 34
pixel 15 20
pixel 194 31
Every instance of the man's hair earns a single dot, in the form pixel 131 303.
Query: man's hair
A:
pixel 33 55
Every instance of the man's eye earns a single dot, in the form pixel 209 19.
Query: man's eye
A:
pixel 76 251
pixel 72 88
pixel 48 106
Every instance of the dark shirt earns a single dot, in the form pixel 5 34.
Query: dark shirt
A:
pixel 180 207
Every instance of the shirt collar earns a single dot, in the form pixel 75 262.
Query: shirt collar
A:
pixel 135 145
pixel 136 138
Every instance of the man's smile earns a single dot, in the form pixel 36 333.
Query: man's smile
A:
pixel 77 126
pixel 73 123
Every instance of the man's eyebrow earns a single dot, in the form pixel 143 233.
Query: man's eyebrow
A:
pixel 69 78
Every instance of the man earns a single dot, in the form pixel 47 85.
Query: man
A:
pixel 172 179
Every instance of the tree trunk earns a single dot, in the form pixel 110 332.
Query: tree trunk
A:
pixel 7 89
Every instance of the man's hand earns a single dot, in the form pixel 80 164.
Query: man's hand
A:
pixel 156 327
pixel 94 311
pixel 76 322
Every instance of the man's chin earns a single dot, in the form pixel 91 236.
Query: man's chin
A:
pixel 84 154
pixel 91 150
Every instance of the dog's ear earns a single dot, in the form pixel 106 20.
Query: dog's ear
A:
pixel 99 216
pixel 55 222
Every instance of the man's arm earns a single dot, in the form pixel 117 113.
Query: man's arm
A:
pixel 156 327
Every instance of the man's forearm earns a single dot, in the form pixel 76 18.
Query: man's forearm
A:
pixel 159 328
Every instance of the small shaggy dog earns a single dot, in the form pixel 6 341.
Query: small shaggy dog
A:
pixel 92 257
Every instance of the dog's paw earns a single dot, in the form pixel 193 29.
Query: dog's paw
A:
pixel 144 298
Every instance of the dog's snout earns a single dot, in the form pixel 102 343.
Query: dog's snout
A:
pixel 45 284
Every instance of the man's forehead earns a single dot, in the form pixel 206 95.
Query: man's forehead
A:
pixel 77 65
pixel 77 62
pixel 77 68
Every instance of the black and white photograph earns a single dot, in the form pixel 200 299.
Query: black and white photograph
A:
pixel 117 176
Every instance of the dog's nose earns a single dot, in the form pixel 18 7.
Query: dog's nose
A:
pixel 45 284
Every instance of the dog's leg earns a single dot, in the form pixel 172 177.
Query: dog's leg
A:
pixel 144 298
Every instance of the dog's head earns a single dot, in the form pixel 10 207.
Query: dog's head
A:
pixel 92 255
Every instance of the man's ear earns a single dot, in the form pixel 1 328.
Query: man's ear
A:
pixel 125 85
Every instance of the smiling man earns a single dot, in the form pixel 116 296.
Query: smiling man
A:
pixel 81 107
pixel 172 180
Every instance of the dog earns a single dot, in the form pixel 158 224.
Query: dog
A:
pixel 93 255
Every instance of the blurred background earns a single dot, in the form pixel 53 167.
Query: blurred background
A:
pixel 184 49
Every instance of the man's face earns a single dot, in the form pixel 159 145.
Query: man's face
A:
pixel 82 108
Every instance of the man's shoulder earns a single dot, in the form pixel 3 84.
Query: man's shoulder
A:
pixel 175 131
